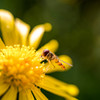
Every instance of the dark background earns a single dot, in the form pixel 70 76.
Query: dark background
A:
pixel 76 25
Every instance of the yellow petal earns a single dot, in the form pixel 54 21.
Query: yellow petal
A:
pixel 71 99
pixel 26 95
pixel 7 26
pixel 59 88
pixel 38 94
pixel 62 58
pixel 37 34
pixel 1 44
pixel 21 31
pixel 3 87
pixel 11 94
pixel 69 88
pixel 52 46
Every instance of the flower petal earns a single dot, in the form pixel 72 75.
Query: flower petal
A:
pixel 52 46
pixel 1 44
pixel 69 88
pixel 3 87
pixel 37 34
pixel 11 94
pixel 71 99
pixel 21 30
pixel 38 94
pixel 59 88
pixel 26 95
pixel 7 26
pixel 62 58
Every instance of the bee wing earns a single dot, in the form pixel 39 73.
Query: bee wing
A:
pixel 64 61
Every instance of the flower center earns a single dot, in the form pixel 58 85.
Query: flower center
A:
pixel 20 66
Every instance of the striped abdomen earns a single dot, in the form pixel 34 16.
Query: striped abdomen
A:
pixel 59 63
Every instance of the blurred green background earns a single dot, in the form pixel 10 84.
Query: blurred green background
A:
pixel 76 25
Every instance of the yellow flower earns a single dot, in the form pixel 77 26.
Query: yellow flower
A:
pixel 22 75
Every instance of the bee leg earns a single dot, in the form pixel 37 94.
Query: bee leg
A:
pixel 51 63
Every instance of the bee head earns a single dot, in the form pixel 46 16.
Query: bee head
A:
pixel 45 52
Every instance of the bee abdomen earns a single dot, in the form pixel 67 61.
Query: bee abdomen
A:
pixel 56 61
pixel 60 64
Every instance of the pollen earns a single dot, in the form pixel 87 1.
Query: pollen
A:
pixel 20 66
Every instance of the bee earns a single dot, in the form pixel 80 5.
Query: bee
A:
pixel 49 56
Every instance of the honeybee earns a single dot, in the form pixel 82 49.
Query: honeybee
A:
pixel 49 56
